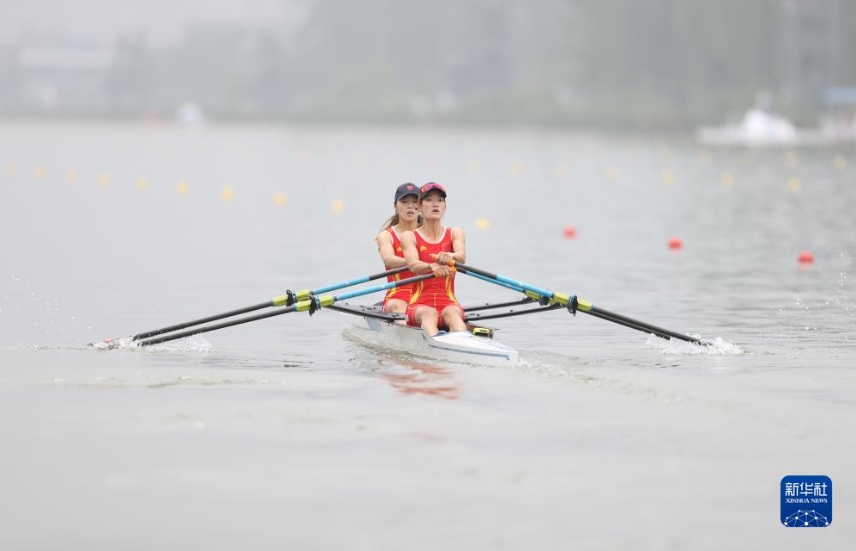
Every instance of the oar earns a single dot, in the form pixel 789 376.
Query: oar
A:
pixel 481 316
pixel 310 304
pixel 374 312
pixel 289 298
pixel 572 303
pixel 491 306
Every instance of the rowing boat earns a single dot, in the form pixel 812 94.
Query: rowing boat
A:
pixel 372 326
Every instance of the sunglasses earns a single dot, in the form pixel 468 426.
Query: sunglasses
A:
pixel 429 186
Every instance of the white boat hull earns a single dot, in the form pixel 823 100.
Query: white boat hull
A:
pixel 458 347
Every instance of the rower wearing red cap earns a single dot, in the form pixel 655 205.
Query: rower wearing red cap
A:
pixel 431 248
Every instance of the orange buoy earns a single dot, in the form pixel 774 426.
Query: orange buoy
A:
pixel 675 243
pixel 805 257
pixel 569 232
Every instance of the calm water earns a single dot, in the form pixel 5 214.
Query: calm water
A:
pixel 283 434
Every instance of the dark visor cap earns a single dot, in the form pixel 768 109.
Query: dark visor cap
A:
pixel 404 190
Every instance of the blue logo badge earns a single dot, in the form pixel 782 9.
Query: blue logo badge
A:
pixel 806 501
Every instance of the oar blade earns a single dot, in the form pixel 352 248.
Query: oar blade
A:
pixel 113 344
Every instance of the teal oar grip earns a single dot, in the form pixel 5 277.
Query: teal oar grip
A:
pixel 494 281
pixel 508 282
pixel 384 287
pixel 357 281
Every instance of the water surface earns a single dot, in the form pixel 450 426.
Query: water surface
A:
pixel 283 434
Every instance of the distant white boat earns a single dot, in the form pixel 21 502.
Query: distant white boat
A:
pixel 759 128
pixel 190 114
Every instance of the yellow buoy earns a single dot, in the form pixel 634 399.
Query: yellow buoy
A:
pixel 338 206
pixel 41 172
pixel 727 179
pixel 667 176
pixel 227 193
pixel 11 170
pixel 515 168
pixel 611 173
pixel 482 223
pixel 279 199
pixel 840 162
pixel 103 179
pixel 71 175
pixel 794 183
pixel 182 188
pixel 142 184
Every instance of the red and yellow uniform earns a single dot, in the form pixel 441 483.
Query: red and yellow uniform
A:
pixel 435 292
pixel 405 292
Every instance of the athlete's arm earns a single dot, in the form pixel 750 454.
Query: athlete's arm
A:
pixel 387 253
pixel 459 249
pixel 418 267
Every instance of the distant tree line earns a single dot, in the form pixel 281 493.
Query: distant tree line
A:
pixel 664 63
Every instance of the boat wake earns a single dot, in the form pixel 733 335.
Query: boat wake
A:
pixel 715 346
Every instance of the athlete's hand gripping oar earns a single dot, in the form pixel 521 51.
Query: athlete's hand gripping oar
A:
pixel 573 304
pixel 289 298
pixel 311 305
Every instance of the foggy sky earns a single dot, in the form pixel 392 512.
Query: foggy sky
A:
pixel 162 21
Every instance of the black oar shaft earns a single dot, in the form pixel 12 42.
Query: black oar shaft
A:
pixel 200 321
pixel 643 328
pixel 368 313
pixel 490 306
pixel 639 325
pixel 510 313
pixel 468 268
pixel 207 328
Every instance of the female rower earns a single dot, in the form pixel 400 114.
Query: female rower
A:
pixel 431 248
pixel 406 218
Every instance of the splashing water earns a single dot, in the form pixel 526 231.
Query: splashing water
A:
pixel 715 346
pixel 191 344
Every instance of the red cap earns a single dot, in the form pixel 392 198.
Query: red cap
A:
pixel 431 186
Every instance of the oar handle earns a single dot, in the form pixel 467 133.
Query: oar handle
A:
pixel 292 297
pixel 375 289
pixel 315 303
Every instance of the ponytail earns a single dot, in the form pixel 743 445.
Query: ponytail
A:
pixel 391 221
